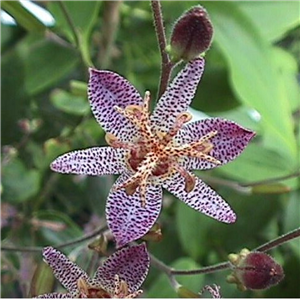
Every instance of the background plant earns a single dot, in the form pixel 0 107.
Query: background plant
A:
pixel 250 77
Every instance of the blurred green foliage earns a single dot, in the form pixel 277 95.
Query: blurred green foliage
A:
pixel 251 77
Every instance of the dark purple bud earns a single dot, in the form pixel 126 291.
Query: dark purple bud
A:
pixel 24 125
pixel 259 271
pixel 255 271
pixel 191 35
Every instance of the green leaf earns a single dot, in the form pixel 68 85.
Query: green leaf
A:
pixel 19 183
pixel 78 88
pixel 68 103
pixel 214 92
pixel 14 100
pixel 288 70
pixel 192 229
pixel 292 217
pixel 23 16
pixel 256 163
pixel 254 77
pixel 41 71
pixel 274 188
pixel 57 236
pixel 161 288
pixel 83 14
pixel 32 65
pixel 272 19
pixel 54 148
pixel 199 234
pixel 42 281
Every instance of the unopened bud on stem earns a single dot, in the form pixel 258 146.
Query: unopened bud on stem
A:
pixel 191 35
pixel 255 271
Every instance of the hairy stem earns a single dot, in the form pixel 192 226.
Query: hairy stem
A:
pixel 210 269
pixel 226 264
pixel 166 269
pixel 279 240
pixel 246 187
pixel 63 245
pixel 166 64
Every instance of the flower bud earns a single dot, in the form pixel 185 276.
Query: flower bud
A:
pixel 99 244
pixel 191 35
pixel 255 271
pixel 154 234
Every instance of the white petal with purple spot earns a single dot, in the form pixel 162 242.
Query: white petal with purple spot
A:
pixel 202 198
pixel 131 264
pixel 56 296
pixel 126 217
pixel 107 90
pixel 64 270
pixel 229 142
pixel 178 95
pixel 91 161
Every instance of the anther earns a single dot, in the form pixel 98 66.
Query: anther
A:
pixel 82 287
pixel 180 121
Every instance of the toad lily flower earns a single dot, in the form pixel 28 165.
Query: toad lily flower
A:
pixel 154 151
pixel 120 276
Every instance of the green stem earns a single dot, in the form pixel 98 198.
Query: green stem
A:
pixel 246 187
pixel 210 269
pixel 63 245
pixel 70 22
pixel 110 27
pixel 271 180
pixel 226 264
pixel 279 240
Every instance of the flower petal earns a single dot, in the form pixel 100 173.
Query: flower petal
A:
pixel 107 90
pixel 126 217
pixel 178 96
pixel 229 142
pixel 55 296
pixel 64 270
pixel 201 198
pixel 130 263
pixel 91 161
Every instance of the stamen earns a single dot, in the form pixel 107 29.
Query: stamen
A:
pixel 180 121
pixel 195 153
pixel 189 178
pixel 135 110
pixel 131 188
pixel 121 290
pixel 114 142
pixel 140 177
pixel 117 286
pixel 83 287
pixel 204 139
pixel 139 116
pixel 146 101
pixel 128 114
pixel 206 147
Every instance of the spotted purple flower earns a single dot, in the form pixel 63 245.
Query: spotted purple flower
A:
pixel 213 290
pixel 120 276
pixel 154 151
